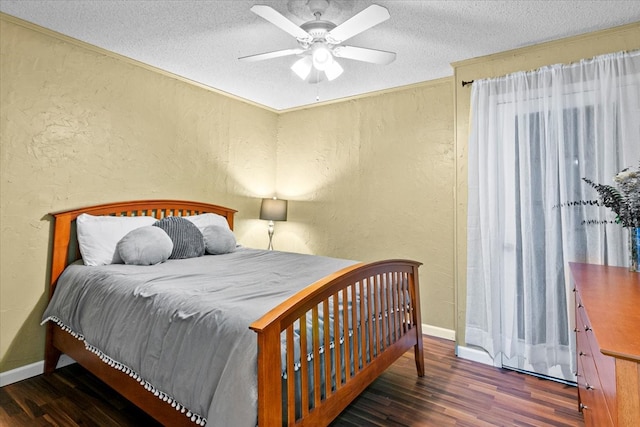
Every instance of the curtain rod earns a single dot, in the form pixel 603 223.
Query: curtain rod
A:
pixel 466 83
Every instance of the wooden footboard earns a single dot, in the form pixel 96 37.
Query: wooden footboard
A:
pixel 372 314
pixel 375 314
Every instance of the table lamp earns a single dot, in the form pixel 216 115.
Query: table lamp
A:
pixel 273 210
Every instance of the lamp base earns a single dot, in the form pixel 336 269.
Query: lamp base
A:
pixel 270 231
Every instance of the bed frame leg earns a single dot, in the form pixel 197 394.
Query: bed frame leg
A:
pixel 417 319
pixel 51 354
pixel 419 356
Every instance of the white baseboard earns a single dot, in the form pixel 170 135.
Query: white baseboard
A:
pixel 475 355
pixel 28 371
pixel 34 369
pixel 435 331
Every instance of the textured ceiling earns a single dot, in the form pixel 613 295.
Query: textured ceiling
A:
pixel 201 40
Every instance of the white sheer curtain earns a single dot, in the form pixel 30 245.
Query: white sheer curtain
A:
pixel 534 135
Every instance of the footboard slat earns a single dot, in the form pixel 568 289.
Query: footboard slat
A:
pixel 406 315
pixel 356 332
pixel 394 302
pixel 371 292
pixel 387 312
pixel 327 350
pixel 336 342
pixel 304 367
pixel 316 357
pixel 363 332
pixel 344 331
pixel 291 388
pixel 378 322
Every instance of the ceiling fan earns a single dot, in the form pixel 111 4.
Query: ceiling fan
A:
pixel 320 41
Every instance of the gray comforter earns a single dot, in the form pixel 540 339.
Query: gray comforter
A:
pixel 182 327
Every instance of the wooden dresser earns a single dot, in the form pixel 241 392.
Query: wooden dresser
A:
pixel 608 344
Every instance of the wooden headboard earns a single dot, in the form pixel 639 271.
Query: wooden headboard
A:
pixel 65 247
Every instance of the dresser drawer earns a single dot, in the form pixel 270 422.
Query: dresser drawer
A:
pixel 589 379
pixel 603 371
pixel 594 410
pixel 593 403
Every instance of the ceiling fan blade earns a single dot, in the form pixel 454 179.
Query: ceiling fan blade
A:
pixel 280 21
pixel 373 56
pixel 270 55
pixel 369 17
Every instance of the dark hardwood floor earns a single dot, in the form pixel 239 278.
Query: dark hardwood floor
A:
pixel 454 392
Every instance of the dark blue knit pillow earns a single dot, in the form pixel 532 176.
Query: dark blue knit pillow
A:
pixel 187 239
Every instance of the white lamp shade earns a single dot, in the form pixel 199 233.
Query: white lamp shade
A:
pixel 333 71
pixel 302 67
pixel 322 57
pixel 273 209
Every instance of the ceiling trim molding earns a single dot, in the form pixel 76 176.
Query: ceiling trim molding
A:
pixel 545 45
pixel 434 82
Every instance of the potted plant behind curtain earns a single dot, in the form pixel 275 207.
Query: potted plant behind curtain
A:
pixel 625 202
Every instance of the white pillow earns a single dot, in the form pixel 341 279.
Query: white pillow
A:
pixel 98 236
pixel 204 220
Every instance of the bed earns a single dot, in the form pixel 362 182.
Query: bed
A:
pixel 302 360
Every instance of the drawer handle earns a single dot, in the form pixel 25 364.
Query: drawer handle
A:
pixel 590 387
pixel 583 406
pixel 580 305
pixel 576 330
pixel 587 327
pixel 582 353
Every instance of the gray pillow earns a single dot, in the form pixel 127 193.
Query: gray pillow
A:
pixel 218 240
pixel 145 246
pixel 187 239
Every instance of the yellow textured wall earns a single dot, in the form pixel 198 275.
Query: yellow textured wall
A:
pixel 371 178
pixel 80 127
pixel 557 52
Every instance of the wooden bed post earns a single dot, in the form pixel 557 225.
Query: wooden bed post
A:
pixel 414 285
pixel 269 385
pixel 60 256
pixel 51 353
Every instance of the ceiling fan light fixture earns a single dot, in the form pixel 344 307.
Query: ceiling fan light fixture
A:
pixel 333 71
pixel 302 67
pixel 322 57
pixel 320 41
